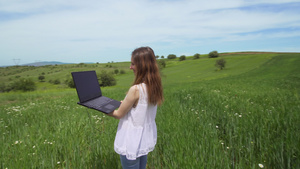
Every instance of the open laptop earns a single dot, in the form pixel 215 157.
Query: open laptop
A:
pixel 89 92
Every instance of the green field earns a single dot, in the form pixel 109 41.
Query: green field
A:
pixel 241 117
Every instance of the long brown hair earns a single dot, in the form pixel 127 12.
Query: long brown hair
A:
pixel 147 71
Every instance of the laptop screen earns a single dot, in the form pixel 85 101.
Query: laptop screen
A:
pixel 87 85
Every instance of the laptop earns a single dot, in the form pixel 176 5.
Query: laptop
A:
pixel 89 92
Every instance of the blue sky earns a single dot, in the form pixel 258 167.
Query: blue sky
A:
pixel 102 31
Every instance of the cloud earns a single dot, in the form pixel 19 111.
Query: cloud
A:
pixel 86 30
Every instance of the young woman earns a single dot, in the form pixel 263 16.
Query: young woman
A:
pixel 137 134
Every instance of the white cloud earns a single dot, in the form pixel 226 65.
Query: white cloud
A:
pixel 71 29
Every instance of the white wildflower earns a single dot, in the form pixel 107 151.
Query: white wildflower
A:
pixel 261 166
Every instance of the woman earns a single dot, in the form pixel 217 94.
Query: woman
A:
pixel 137 134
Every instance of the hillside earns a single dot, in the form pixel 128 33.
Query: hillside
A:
pixel 175 72
pixel 245 116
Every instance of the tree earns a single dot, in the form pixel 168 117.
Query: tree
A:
pixel 220 63
pixel 213 54
pixel 41 78
pixel 196 56
pixel 70 83
pixel 24 85
pixel 162 57
pixel 182 58
pixel 161 64
pixel 122 71
pixel 172 56
pixel 106 79
pixel 56 81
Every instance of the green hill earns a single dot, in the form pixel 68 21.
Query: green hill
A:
pixel 175 72
pixel 244 116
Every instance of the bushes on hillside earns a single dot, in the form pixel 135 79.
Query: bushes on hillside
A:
pixel 70 83
pixel 23 85
pixel 4 88
pixel 106 79
pixel 161 64
pixel 172 56
pixel 41 78
pixel 122 71
pixel 213 54
pixel 220 63
pixel 182 58
pixel 196 56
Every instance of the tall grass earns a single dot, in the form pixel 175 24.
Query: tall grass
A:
pixel 240 120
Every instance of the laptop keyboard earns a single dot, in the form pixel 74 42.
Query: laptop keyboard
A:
pixel 96 103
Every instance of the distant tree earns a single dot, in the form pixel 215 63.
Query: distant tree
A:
pixel 41 78
pixel 70 83
pixel 81 64
pixel 3 88
pixel 162 57
pixel 182 58
pixel 220 63
pixel 106 79
pixel 172 56
pixel 116 71
pixel 161 64
pixel 156 56
pixel 196 56
pixel 213 54
pixel 24 85
pixel 122 71
pixel 56 81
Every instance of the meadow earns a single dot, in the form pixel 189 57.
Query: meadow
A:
pixel 245 116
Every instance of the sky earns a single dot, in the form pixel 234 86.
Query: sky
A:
pixel 76 31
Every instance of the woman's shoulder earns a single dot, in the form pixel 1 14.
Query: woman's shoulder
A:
pixel 134 90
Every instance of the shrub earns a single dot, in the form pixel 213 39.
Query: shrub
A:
pixel 106 79
pixel 196 56
pixel 182 58
pixel 161 64
pixel 172 56
pixel 24 85
pixel 122 72
pixel 213 54
pixel 220 63
pixel 56 81
pixel 41 78
pixel 70 83
pixel 3 88
pixel 116 71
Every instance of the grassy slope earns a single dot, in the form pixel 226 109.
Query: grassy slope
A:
pixel 263 89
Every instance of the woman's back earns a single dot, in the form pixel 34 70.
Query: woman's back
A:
pixel 137 133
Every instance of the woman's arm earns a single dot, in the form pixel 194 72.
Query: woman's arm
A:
pixel 130 100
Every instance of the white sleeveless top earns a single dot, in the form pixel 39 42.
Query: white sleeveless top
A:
pixel 137 134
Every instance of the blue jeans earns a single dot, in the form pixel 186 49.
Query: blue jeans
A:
pixel 139 163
